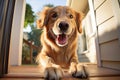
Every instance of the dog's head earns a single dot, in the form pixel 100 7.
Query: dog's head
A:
pixel 60 22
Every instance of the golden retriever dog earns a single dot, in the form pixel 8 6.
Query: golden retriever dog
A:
pixel 61 26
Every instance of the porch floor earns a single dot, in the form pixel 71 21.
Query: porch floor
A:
pixel 35 73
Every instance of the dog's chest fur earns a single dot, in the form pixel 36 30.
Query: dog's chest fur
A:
pixel 60 57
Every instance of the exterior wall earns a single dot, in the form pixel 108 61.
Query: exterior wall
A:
pixel 15 57
pixel 108 33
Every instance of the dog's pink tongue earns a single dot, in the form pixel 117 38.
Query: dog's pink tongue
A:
pixel 62 39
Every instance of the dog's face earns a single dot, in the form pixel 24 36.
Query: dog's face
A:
pixel 61 23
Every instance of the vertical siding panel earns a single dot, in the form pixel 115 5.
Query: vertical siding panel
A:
pixel 108 33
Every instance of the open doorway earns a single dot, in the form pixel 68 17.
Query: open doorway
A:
pixel 28 36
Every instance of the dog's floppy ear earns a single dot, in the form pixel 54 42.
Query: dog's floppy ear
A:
pixel 39 23
pixel 79 17
pixel 42 21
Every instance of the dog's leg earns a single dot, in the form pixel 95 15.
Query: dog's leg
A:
pixel 78 70
pixel 52 71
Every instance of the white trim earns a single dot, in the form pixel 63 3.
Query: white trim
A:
pixel 15 55
pixel 91 6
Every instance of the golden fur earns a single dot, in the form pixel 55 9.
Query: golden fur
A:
pixel 59 47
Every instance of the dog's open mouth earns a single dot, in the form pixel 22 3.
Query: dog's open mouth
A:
pixel 62 39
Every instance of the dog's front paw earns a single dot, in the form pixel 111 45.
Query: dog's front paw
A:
pixel 78 71
pixel 53 73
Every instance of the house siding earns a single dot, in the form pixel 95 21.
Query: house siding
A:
pixel 106 23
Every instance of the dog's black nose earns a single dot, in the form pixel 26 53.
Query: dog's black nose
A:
pixel 63 26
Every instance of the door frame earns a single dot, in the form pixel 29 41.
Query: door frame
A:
pixel 91 6
pixel 6 16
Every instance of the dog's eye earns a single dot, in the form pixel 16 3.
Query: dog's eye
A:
pixel 71 16
pixel 54 15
